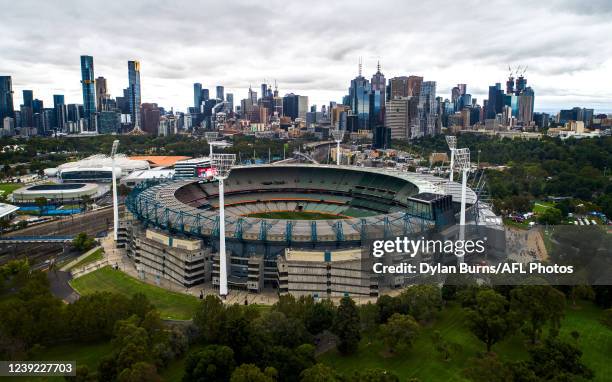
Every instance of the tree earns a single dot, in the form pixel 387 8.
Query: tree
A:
pixel 538 305
pixel 581 292
pixel 423 301
pixel 374 375
pixel 346 326
pixel 140 372
pixel 320 373
pixel 489 368
pixel 556 360
pixel 83 242
pixel 607 318
pixel 550 216
pixel 489 320
pixel 248 372
pixel 213 363
pixel 399 332
pixel 319 316
pixel 210 318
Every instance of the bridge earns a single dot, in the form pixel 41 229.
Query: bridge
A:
pixel 35 239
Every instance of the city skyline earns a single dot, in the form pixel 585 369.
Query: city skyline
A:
pixel 567 64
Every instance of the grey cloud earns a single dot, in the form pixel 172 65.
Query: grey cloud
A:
pixel 311 46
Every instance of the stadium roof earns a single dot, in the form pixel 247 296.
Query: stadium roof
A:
pixel 160 160
pixel 7 209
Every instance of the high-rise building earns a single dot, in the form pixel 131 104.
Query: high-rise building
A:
pixel 88 85
pixel 397 117
pixel 359 99
pixel 28 97
pixel 37 106
pixel 252 96
pixel 379 83
pixel 102 95
pixel 521 84
pixel 6 98
pixel 150 118
pixel 197 96
pixel 134 92
pixel 495 102
pixel 220 95
pixel 109 122
pixel 427 110
pixel 295 106
pixel 414 86
pixel 525 106
pixel 205 95
pixel 399 87
pixel 61 113
pixel 230 100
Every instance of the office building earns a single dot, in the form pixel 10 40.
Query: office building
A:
pixel 197 96
pixel 109 122
pixel 229 98
pixel 6 98
pixel 220 95
pixel 102 95
pixel 359 100
pixel 88 86
pixel 28 97
pixel 134 92
pixel 150 115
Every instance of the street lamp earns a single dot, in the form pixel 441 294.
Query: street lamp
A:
pixel 451 140
pixel 338 137
pixel 114 191
pixel 222 165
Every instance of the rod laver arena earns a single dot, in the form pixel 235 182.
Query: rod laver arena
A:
pixel 325 212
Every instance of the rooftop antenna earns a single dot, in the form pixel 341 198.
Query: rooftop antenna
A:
pixel 451 140
pixel 360 66
pixel 115 203
pixel 378 66
pixel 222 165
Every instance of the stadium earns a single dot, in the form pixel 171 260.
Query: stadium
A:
pixel 57 193
pixel 272 208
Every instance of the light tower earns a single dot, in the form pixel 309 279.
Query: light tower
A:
pixel 338 137
pixel 115 204
pixel 211 136
pixel 451 140
pixel 463 164
pixel 222 165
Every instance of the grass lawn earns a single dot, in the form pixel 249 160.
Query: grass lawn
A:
pixel 539 207
pixel 171 305
pixel 294 215
pixel 7 188
pixel 94 256
pixel 423 362
pixel 83 354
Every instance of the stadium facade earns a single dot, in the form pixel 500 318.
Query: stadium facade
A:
pixel 96 168
pixel 171 229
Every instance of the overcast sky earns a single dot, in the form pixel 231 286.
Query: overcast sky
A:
pixel 309 47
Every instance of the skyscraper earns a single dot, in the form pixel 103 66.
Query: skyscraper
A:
pixel 220 93
pixel 427 109
pixel 359 99
pixel 230 101
pixel 205 95
pixel 101 94
pixel 88 85
pixel 28 97
pixel 197 96
pixel 495 102
pixel 6 98
pixel 60 111
pixel 379 83
pixel 134 91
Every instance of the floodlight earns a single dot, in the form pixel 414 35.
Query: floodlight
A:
pixel 222 165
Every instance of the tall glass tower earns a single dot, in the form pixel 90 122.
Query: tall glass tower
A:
pixel 6 98
pixel 88 85
pixel 134 91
